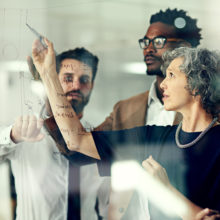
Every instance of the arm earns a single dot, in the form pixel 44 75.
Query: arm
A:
pixel 194 212
pixel 76 138
pixel 26 128
pixel 7 146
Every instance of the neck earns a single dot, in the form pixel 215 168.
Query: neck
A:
pixel 196 121
pixel 159 91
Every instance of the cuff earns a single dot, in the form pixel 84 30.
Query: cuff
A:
pixel 5 138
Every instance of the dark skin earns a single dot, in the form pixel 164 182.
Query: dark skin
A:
pixel 159 91
pixel 153 56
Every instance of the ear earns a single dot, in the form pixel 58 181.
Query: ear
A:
pixel 184 44
pixel 197 98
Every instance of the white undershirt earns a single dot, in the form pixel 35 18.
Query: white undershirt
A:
pixel 156 114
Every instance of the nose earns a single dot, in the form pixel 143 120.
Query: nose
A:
pixel 150 49
pixel 163 84
pixel 75 85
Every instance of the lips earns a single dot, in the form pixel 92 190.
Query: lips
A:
pixel 74 95
pixel 150 60
pixel 165 97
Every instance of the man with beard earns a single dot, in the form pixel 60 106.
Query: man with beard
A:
pixel 47 184
pixel 77 72
pixel 168 29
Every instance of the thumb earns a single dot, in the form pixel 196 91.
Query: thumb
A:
pixel 202 214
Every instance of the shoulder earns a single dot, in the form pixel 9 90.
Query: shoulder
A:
pixel 132 101
pixel 153 132
pixel 142 134
pixel 127 113
pixel 160 131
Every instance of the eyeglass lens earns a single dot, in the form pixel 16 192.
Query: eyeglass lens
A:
pixel 158 42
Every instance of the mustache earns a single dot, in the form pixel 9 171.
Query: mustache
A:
pixel 151 56
pixel 74 91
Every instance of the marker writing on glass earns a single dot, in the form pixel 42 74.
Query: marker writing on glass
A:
pixel 38 35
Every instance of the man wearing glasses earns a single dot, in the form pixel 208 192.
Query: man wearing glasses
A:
pixel 168 29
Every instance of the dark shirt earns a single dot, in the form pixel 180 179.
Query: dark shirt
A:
pixel 194 171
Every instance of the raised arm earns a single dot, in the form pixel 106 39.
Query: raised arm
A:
pixel 76 138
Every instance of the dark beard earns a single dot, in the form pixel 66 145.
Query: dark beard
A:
pixel 78 106
pixel 155 73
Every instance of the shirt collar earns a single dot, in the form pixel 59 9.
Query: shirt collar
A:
pixel 152 93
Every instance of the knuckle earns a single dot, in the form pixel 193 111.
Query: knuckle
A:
pixel 32 117
pixel 143 162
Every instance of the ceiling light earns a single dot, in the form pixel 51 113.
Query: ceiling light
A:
pixel 14 66
pixel 134 68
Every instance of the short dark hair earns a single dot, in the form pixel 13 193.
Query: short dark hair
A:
pixel 202 70
pixel 188 31
pixel 80 54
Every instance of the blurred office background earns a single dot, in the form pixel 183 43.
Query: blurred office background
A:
pixel 108 28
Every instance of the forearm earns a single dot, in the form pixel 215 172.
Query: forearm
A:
pixel 76 138
pixel 192 209
pixel 188 210
pixel 7 146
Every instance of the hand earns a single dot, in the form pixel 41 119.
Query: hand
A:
pixel 32 69
pixel 27 128
pixel 44 58
pixel 207 214
pixel 156 170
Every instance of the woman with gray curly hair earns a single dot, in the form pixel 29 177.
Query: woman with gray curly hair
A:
pixel 189 152
pixel 192 87
pixel 202 70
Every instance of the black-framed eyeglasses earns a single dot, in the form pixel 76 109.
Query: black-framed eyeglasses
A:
pixel 158 42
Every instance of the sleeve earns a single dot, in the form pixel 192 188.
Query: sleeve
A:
pixel 107 125
pixel 78 159
pixel 7 146
pixel 121 145
pixel 110 122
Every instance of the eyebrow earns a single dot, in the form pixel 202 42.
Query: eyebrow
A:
pixel 70 74
pixel 154 37
pixel 169 69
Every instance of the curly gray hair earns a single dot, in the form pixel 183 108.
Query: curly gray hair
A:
pixel 202 69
